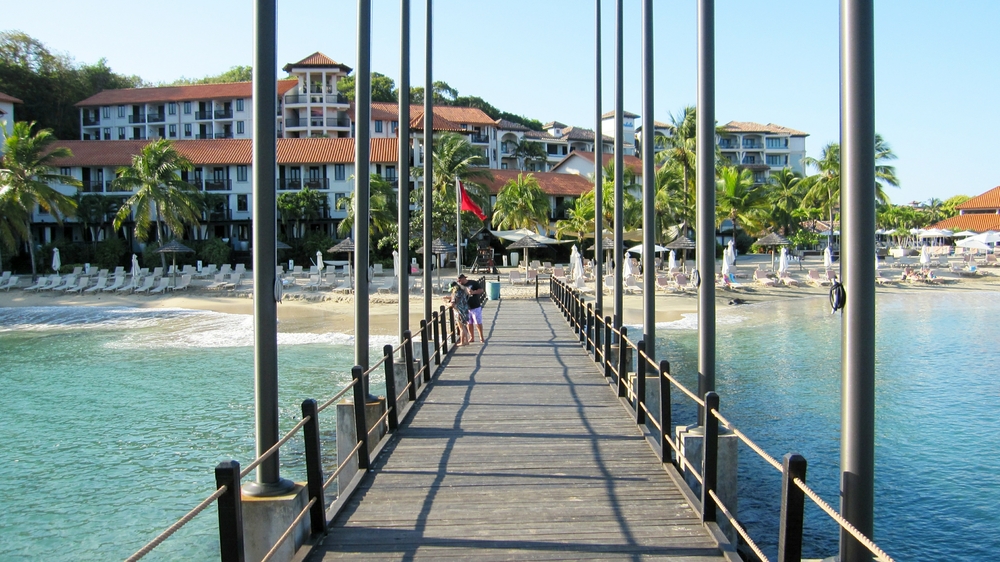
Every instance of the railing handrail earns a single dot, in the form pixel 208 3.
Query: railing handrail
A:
pixel 579 316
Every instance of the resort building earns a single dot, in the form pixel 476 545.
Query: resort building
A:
pixel 628 129
pixel 582 164
pixel 557 141
pixel 7 111
pixel 562 189
pixel 979 214
pixel 762 148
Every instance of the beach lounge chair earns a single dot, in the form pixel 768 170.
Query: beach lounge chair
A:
pixel 219 283
pixel 632 286
pixel 9 283
pixel 130 285
pixel 183 284
pixel 787 280
pixel 681 282
pixel 161 287
pixel 116 284
pixel 42 282
pixel 815 280
pixel 535 264
pixel 761 278
pixel 313 283
pixel 102 282
pixel 147 284
pixel 4 277
pixel 120 270
pixel 882 279
pixel 67 282
pixel 515 278
pixel 377 268
pixel 559 273
pixel 82 284
pixel 389 287
pixel 531 276
pixel 77 270
pixel 663 284
pixel 226 269
pixel 206 272
pixel 296 271
pixel 157 272
pixel 241 269
pixel 582 286
pixel 547 266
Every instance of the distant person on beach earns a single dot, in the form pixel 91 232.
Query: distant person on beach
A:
pixel 475 306
pixel 459 300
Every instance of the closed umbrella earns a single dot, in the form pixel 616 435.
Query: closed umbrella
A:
pixel 578 272
pixel 878 264
pixel 827 258
pixel 726 268
pixel 627 268
pixel 671 261
pixel 319 261
pixel 56 261
pixel 732 252
pixel 395 263
pixel 783 261
pixel 925 256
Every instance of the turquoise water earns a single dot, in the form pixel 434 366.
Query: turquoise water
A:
pixel 114 419
pixel 937 421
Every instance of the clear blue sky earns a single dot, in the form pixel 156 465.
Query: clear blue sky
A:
pixel 777 61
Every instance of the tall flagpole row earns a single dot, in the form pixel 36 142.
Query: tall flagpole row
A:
pixel 362 182
pixel 648 184
pixel 428 164
pixel 403 167
pixel 705 212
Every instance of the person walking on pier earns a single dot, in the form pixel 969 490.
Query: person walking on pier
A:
pixel 459 300
pixel 475 306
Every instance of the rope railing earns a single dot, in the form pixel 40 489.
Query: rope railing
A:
pixel 739 528
pixel 337 396
pixel 342 465
pixel 596 333
pixel 288 532
pixel 274 448
pixel 177 525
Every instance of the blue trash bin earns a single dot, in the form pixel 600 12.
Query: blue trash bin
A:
pixel 493 290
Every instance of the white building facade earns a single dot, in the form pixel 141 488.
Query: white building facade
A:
pixel 762 148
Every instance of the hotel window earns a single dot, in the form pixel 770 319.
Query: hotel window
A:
pixel 172 108
pixel 187 108
pixel 106 112
pixel 241 173
pixel 378 126
pixel 239 104
pixel 121 133
pixel 121 111
pixel 239 127
pixel 66 171
pixel 392 127
pixel 390 173
pixel 107 133
pixel 777 143
pixel 338 172
pixel 775 160
pixel 242 202
pixel 187 129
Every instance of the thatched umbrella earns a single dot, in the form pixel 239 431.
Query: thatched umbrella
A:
pixel 174 247
pixel 682 243
pixel 279 245
pixel 527 243
pixel 772 241
pixel 439 247
pixel 346 245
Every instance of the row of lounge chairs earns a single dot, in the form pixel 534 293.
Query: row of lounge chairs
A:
pixel 122 283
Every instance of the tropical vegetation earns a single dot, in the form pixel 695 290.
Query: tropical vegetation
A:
pixel 521 203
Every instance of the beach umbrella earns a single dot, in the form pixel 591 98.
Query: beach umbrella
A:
pixel 783 261
pixel 681 243
pixel 671 261
pixel 319 261
pixel 772 240
pixel 627 268
pixel 925 256
pixel 526 243
pixel 395 263
pixel 732 252
pixel 827 258
pixel 173 248
pixel 726 268
pixel 965 233
pixel 279 245
pixel 345 246
pixel 135 266
pixel 638 249
pixel 973 243
pixel 56 261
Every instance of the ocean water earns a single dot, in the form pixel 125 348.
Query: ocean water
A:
pixel 114 419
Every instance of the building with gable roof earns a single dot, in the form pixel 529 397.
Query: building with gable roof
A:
pixel 7 111
pixel 762 148
pixel 979 214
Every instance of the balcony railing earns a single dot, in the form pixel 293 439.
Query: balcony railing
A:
pixel 285 184
pixel 92 186
pixel 480 139
pixel 204 136
pixel 293 122
pixel 317 183
pixel 316 98
pixel 91 121
pixel 337 98
pixel 338 122
pixel 224 113
pixel 752 144
pixel 111 187
pixel 218 185
pixel 724 144
pixel 155 117
pixel 203 115
pixel 218 215
pixel 136 118
pixel 224 135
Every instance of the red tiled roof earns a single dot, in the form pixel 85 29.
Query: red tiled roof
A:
pixel 440 123
pixel 506 125
pixel 631 162
pixel 552 183
pixel 316 60
pixel 977 223
pixel 988 200
pixel 192 92
pixel 750 127
pixel 9 99
pixel 229 151
pixel 388 111
pixel 610 114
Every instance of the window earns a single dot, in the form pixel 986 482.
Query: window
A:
pixel 241 173
pixel 239 127
pixel 239 104
pixel 776 159
pixel 392 126
pixel 121 133
pixel 777 143
pixel 187 108
pixel 338 172
pixel 187 129
pixel 172 108
pixel 378 126
pixel 242 201
pixel 121 111
pixel 173 131
pixel 106 112
pixel 42 210
pixel 390 173
pixel 107 133
pixel 66 171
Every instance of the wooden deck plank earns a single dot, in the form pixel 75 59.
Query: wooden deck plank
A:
pixel 519 450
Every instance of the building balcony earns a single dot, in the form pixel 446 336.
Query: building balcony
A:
pixel 218 185
pixel 203 115
pixel 753 145
pixel 338 122
pixel 296 122
pixel 136 118
pixel 317 183
pixel 92 186
pixel 479 139
pixel 112 187
pixel 223 113
pixel 91 121
pixel 727 145
pixel 218 215
pixel 155 118
pixel 285 184
pixel 224 135
pixel 204 136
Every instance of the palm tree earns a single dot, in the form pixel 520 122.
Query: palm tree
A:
pixel 681 148
pixel 785 196
pixel 92 211
pixel 527 151
pixel 738 200
pixel 161 196
pixel 26 173
pixel 454 158
pixel 521 203
pixel 299 207
pixel 382 209
pixel 668 205
pixel 579 219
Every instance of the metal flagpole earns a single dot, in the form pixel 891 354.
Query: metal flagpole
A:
pixel 619 161
pixel 598 171
pixel 428 164
pixel 648 184
pixel 458 227
pixel 705 219
pixel 362 181
pixel 265 307
pixel 403 167
pixel 857 129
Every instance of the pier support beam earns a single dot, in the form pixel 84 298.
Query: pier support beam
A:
pixel 705 220
pixel 266 519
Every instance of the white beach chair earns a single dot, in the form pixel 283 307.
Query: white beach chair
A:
pixel 67 282
pixel 183 284
pixel 515 278
pixel 157 272
pixel 10 283
pixel 241 269
pixel 102 282
pixel 116 284
pixel 147 284
pixel 42 283
pixel 120 270
pixel 82 284
pixel 632 286
pixel 219 283
pixel 161 287
pixel 377 268
pixel 131 285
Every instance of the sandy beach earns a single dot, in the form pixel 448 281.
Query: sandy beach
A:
pixel 324 312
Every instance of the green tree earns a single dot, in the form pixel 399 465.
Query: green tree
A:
pixel 234 74
pixel 26 172
pixel 950 206
pixel 161 197
pixel 299 208
pixel 785 194
pixel 739 200
pixel 92 213
pixel 669 205
pixel 521 203
pixel 383 88
pixel 579 221
pixel 456 159
pixel 382 209
pixel 527 151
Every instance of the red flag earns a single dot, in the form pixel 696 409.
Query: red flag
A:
pixel 468 204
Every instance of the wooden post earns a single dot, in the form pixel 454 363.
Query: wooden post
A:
pixel 622 358
pixel 360 425
pixel 607 347
pixel 710 463
pixel 227 474
pixel 640 382
pixel 444 330
pixel 408 358
pixel 451 321
pixel 437 338
pixel 424 336
pixel 666 421
pixel 590 325
pixel 314 465
pixel 792 509
pixel 390 388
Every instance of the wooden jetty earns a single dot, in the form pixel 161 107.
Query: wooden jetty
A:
pixel 519 451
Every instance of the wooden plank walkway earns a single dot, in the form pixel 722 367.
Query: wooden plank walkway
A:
pixel 519 450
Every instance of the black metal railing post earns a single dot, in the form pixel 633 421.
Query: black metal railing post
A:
pixel 536 286
pixel 437 338
pixel 607 347
pixel 710 460
pixel 314 465
pixel 361 426
pixel 451 321
pixel 792 509
pixel 444 330
pixel 666 421
pixel 408 358
pixel 227 474
pixel 390 388
pixel 598 331
pixel 622 361
pixel 589 332
pixel 640 382
pixel 424 341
